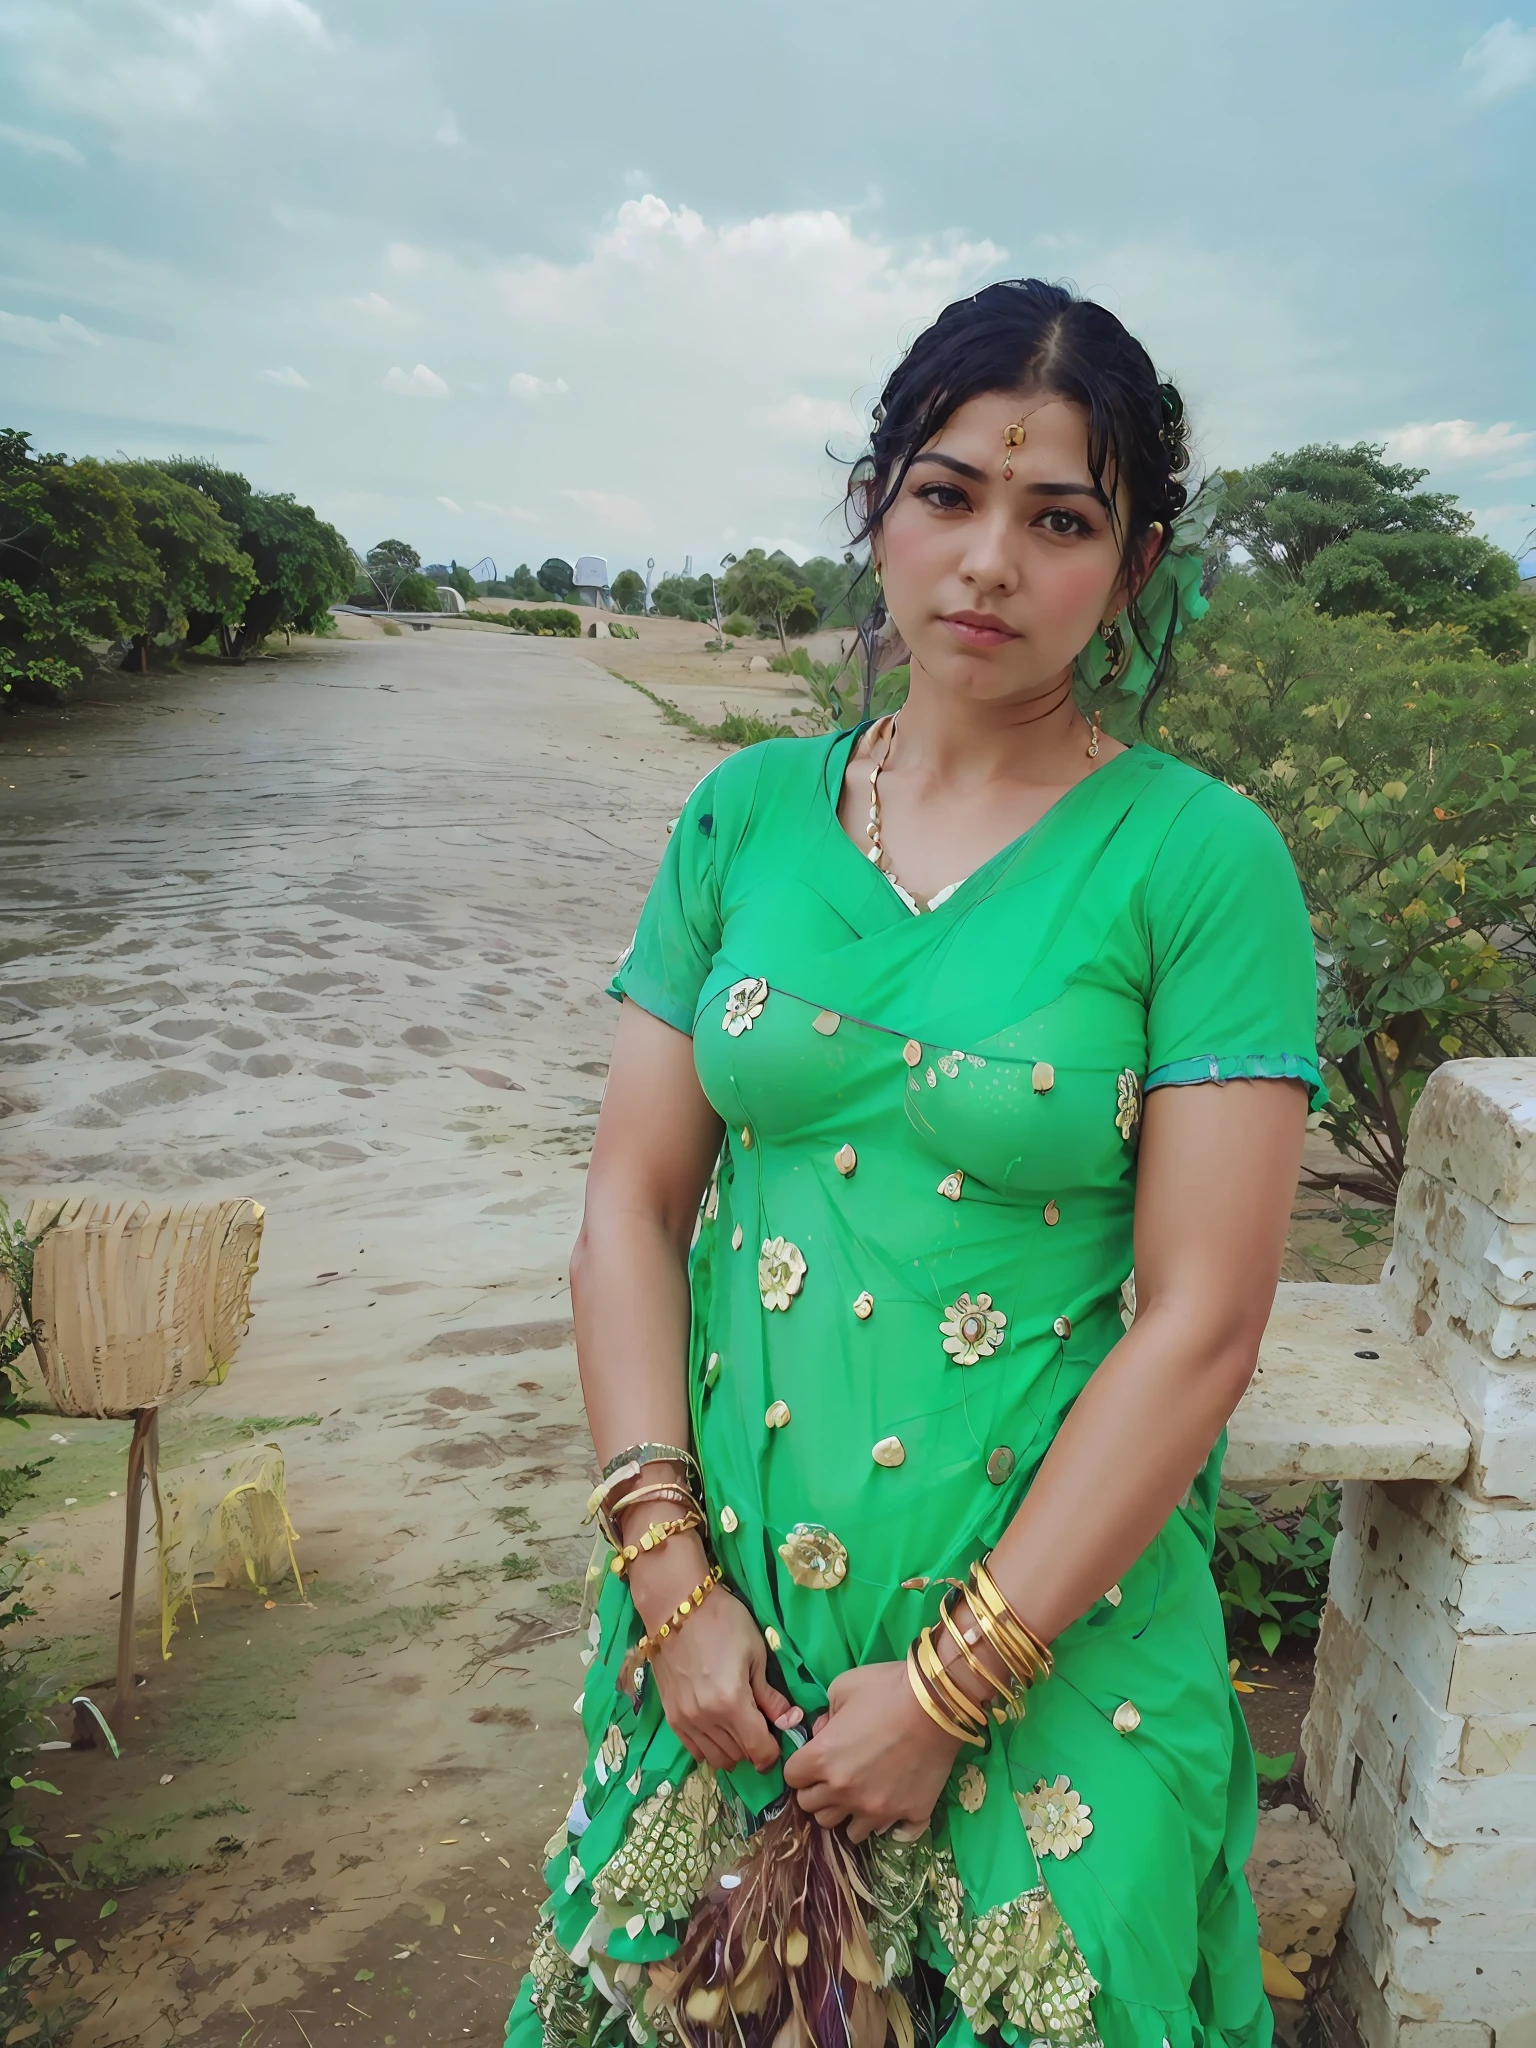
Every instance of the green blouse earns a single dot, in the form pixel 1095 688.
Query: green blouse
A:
pixel 909 1264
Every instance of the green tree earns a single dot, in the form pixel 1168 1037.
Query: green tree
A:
pixel 72 567
pixel 463 582
pixel 203 568
pixel 760 588
pixel 1401 769
pixel 682 597
pixel 302 565
pixel 1356 534
pixel 416 593
pixel 628 590
pixel 844 591
pixel 388 564
pixel 556 577
pixel 525 584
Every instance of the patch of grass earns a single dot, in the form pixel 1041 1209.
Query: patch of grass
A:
pixel 263 1425
pixel 515 1566
pixel 564 1593
pixel 122 1857
pixel 455 1574
pixel 17 1482
pixel 218 1809
pixel 389 1624
pixel 516 1521
pixel 737 728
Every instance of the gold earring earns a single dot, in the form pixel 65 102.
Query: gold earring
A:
pixel 1095 736
pixel 1013 437
pixel 877 575
pixel 1115 648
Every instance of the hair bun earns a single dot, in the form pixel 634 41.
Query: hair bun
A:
pixel 1175 432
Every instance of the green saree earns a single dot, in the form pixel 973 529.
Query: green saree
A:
pixel 908 1266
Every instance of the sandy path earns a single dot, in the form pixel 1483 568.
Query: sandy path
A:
pixel 330 932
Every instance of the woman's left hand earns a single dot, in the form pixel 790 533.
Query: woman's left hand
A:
pixel 876 1760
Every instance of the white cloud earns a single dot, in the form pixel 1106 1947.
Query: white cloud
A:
pixel 45 337
pixel 517 512
pixel 1502 61
pixel 420 383
pixel 34 144
pixel 375 303
pixel 452 507
pixel 183 60
pixel 522 385
pixel 290 378
pixel 448 133
pixel 1458 444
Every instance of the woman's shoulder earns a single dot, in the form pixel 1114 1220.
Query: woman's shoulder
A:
pixel 747 787
pixel 1199 811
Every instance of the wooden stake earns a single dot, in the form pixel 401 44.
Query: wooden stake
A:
pixel 145 1435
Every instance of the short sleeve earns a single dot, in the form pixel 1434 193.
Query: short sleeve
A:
pixel 678 935
pixel 1234 978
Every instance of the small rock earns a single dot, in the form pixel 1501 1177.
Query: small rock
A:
pixel 758 664
pixel 168 1777
pixel 1301 1884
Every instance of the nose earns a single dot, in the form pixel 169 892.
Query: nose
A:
pixel 989 564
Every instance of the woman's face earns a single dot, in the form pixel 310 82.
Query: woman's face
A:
pixel 997 584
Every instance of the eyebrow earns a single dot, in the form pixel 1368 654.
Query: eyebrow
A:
pixel 953 462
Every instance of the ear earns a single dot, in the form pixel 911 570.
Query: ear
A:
pixel 1148 552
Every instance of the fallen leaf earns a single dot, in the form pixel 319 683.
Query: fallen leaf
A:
pixel 1278 1980
pixel 435 1911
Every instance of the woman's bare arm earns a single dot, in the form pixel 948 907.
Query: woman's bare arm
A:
pixel 1215 1183
pixel 657 1140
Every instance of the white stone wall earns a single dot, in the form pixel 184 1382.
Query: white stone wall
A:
pixel 1421 1744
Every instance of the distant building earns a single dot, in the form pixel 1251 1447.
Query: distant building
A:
pixel 449 599
pixel 591 581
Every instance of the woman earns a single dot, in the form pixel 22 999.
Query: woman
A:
pixel 939 1004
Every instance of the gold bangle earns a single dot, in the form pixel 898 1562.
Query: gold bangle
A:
pixel 961 1709
pixel 1015 1642
pixel 1008 1688
pixel 930 1706
pixel 609 1518
pixel 655 1537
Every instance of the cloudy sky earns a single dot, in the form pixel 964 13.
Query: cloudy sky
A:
pixel 516 280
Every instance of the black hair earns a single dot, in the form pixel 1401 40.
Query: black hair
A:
pixel 1027 335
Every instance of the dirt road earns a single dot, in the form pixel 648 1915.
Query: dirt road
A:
pixel 331 932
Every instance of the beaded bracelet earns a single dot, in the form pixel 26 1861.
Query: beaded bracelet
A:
pixel 650 1643
pixel 657 1535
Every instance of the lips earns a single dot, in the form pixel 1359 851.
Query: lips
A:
pixel 978 629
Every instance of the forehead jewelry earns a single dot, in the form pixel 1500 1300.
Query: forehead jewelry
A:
pixel 1013 437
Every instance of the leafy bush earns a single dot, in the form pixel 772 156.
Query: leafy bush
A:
pixel 302 566
pixel 1271 1562
pixel 21 1697
pixel 1401 769
pixel 737 623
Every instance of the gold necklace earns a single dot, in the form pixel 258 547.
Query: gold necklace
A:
pixel 873 831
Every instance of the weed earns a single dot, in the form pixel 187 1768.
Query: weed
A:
pixel 1271 1561
pixel 516 1521
pixel 123 1857
pixel 218 1809
pixel 388 1625
pixel 737 728
pixel 564 1593
pixel 264 1425
pixel 38 2000
pixel 515 1566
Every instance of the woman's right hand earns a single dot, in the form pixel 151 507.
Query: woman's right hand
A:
pixel 712 1672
